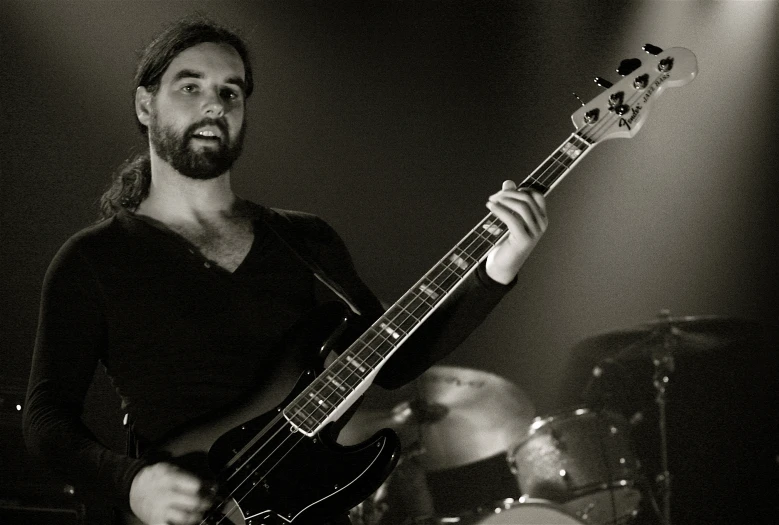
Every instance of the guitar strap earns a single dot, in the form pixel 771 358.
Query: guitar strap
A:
pixel 289 237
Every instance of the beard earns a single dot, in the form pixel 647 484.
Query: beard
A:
pixel 176 148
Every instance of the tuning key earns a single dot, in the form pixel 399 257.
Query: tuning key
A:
pixel 652 50
pixel 628 65
pixel 602 82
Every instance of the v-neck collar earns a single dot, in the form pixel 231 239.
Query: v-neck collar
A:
pixel 135 221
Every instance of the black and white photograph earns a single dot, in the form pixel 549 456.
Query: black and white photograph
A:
pixel 389 262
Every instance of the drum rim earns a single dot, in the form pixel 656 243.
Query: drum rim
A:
pixel 510 503
pixel 594 488
pixel 539 422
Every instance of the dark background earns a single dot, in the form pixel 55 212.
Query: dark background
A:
pixel 394 121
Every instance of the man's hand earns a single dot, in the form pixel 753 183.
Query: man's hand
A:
pixel 524 213
pixel 163 494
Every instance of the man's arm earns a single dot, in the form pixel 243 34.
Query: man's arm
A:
pixel 70 340
pixel 465 309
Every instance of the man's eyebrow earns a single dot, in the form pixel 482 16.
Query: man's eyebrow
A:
pixel 191 73
pixel 238 81
pixel 187 73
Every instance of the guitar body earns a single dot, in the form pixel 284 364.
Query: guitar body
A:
pixel 266 470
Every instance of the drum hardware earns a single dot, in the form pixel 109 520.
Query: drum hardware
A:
pixel 656 344
pixel 663 361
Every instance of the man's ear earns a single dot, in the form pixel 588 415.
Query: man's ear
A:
pixel 143 100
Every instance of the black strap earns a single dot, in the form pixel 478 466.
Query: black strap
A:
pixel 285 231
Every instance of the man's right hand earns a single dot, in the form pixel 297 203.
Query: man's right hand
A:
pixel 163 494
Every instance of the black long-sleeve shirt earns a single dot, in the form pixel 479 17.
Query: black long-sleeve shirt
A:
pixel 179 336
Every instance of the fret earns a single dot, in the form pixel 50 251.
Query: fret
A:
pixel 378 341
pixel 414 310
pixel 479 250
pixel 402 312
pixel 404 323
pixel 357 364
pixel 345 373
pixel 459 260
pixel 474 243
pixel 429 291
pixel 551 174
pixel 493 229
pixel 317 402
pixel 394 332
pixel 446 280
pixel 431 285
pixel 417 304
pixel 532 182
pixel 329 391
pixel 336 386
pixel 299 417
pixel 586 142
pixel 571 150
pixel 558 162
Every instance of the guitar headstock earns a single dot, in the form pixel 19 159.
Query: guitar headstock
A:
pixel 621 110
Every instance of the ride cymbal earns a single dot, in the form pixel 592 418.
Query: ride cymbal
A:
pixel 452 416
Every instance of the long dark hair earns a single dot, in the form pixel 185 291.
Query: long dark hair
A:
pixel 130 182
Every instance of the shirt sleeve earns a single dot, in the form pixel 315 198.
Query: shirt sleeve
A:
pixel 70 340
pixel 448 326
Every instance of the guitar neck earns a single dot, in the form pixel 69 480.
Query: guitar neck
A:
pixel 347 378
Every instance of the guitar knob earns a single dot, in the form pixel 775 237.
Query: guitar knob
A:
pixel 602 82
pixel 628 65
pixel 652 50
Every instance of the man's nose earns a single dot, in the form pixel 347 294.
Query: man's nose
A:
pixel 213 105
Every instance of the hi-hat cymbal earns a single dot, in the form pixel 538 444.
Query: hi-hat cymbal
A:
pixel 453 416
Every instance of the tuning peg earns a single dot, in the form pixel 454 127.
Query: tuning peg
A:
pixel 602 82
pixel 652 50
pixel 628 65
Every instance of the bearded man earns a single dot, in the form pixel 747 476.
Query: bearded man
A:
pixel 186 292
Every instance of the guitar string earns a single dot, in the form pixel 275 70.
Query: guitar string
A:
pixel 493 221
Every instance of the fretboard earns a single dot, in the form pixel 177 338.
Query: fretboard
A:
pixel 347 378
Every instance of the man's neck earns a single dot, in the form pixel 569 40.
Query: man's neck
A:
pixel 174 198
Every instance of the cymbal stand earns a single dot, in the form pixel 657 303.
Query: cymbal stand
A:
pixel 663 361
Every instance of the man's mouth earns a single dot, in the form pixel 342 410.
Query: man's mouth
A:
pixel 207 134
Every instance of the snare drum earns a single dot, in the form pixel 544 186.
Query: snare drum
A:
pixel 524 512
pixel 583 460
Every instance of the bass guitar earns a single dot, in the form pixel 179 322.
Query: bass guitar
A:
pixel 279 464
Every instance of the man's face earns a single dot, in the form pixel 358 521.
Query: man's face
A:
pixel 196 117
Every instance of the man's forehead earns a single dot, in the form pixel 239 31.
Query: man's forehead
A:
pixel 208 59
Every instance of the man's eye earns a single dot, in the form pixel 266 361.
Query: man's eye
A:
pixel 229 94
pixel 189 88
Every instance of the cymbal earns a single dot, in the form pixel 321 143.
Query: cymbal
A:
pixel 451 416
pixel 689 335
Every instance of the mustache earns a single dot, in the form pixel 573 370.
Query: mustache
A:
pixel 219 123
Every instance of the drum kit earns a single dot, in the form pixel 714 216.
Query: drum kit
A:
pixel 577 466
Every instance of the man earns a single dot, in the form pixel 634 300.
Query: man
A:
pixel 185 291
